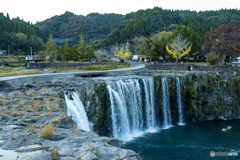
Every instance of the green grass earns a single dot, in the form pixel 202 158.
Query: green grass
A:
pixel 8 71
pixel 16 65
pixel 90 67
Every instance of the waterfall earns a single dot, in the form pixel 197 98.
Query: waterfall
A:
pixel 166 104
pixel 180 103
pixel 149 102
pixel 76 109
pixel 129 117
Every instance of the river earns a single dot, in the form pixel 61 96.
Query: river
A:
pixel 192 141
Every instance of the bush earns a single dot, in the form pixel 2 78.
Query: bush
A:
pixel 212 59
pixel 96 153
pixel 25 139
pixel 1 102
pixel 15 114
pixel 56 121
pixel 7 112
pixel 47 132
pixel 22 113
pixel 4 116
pixel 192 92
pixel 29 109
pixel 55 155
pixel 13 138
pixel 31 128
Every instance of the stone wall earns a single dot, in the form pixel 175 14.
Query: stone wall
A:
pixel 192 67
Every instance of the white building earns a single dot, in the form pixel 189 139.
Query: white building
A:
pixel 3 52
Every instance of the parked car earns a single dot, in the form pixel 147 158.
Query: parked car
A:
pixel 93 60
pixel 237 60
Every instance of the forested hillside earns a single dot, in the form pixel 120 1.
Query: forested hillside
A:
pixel 68 26
pixel 106 20
pixel 19 26
pixel 20 35
pixel 151 21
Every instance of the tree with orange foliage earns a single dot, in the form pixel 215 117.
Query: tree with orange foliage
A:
pixel 225 40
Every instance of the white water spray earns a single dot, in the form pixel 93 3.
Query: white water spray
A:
pixel 166 104
pixel 180 103
pixel 128 117
pixel 76 109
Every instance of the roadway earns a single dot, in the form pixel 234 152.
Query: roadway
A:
pixel 20 79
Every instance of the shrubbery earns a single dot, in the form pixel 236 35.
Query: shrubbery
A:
pixel 212 59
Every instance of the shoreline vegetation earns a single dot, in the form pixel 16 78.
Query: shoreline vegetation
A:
pixel 8 71
pixel 89 67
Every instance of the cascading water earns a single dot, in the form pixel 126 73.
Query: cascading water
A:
pixel 76 109
pixel 129 119
pixel 149 102
pixel 166 104
pixel 180 104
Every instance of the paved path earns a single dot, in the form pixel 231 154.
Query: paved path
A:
pixel 18 80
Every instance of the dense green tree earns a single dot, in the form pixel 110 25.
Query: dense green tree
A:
pixel 19 42
pixel 70 26
pixel 16 25
pixel 66 51
pixel 74 54
pixel 106 20
pixel 82 48
pixel 90 54
pixel 154 47
pixel 151 21
pixel 59 53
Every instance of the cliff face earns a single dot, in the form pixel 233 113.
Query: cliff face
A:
pixel 206 96
pixel 93 94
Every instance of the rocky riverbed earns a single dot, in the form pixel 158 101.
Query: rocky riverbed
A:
pixel 27 110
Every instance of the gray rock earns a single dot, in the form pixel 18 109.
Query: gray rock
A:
pixel 89 156
pixel 44 156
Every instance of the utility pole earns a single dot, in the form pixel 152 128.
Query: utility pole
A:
pixel 31 52
pixel 9 51
pixel 35 52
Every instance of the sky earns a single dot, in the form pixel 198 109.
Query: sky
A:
pixel 39 10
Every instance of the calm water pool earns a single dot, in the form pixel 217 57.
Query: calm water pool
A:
pixel 193 141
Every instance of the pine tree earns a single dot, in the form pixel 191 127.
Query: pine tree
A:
pixel 8 23
pixel 82 48
pixel 59 54
pixel 74 54
pixel 66 51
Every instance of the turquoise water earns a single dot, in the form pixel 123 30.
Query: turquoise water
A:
pixel 193 141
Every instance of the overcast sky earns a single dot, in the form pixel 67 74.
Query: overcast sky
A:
pixel 39 10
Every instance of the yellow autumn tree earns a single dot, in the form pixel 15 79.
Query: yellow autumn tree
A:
pixel 122 52
pixel 179 47
pixel 51 48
